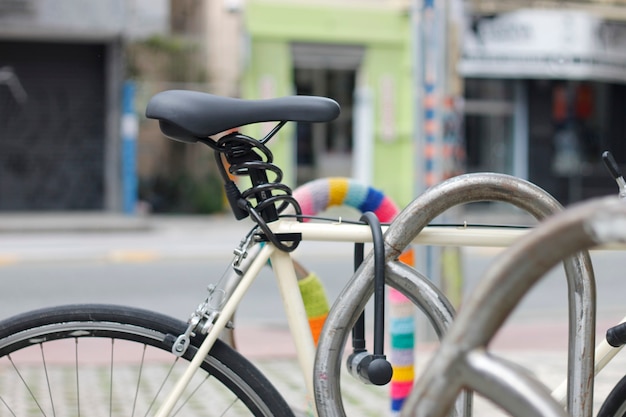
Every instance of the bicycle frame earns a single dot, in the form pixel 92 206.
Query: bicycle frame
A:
pixel 287 283
pixel 465 189
pixel 439 311
pixel 411 222
pixel 284 272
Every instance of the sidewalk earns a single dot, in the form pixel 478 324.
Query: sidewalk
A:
pixel 114 237
pixel 72 222
pixel 546 360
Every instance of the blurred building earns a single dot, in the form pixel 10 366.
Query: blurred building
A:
pixel 62 68
pixel 545 85
pixel 357 52
pixel 533 88
pixel 537 87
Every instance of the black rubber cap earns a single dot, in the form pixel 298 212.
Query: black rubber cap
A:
pixel 380 371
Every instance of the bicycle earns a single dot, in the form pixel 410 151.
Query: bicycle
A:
pixel 194 118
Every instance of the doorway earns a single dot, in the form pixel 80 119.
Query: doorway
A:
pixel 52 138
pixel 325 149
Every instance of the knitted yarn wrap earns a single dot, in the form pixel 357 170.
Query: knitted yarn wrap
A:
pixel 315 197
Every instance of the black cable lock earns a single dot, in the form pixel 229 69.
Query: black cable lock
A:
pixel 371 368
pixel 265 199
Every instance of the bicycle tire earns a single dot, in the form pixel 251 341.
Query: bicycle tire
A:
pixel 615 403
pixel 82 346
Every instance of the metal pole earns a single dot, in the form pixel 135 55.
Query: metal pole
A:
pixel 129 148
pixel 418 136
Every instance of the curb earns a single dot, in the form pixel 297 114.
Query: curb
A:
pixel 72 222
pixel 108 256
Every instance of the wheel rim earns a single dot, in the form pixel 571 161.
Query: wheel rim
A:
pixel 75 368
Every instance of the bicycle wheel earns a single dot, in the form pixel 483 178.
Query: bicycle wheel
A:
pixel 615 403
pixel 88 360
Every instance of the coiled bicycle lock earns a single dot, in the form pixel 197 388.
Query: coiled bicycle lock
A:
pixel 249 157
pixel 246 156
pixel 371 368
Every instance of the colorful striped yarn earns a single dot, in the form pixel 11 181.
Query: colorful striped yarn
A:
pixel 315 303
pixel 317 196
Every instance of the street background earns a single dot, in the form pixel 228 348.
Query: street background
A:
pixel 428 89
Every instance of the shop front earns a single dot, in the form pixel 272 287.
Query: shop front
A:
pixel 544 91
pixel 359 56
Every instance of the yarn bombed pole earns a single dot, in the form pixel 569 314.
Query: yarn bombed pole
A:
pixel 318 195
pixel 315 197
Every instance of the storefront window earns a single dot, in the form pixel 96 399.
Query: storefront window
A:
pixel 578 140
pixel 325 149
pixel 328 70
pixel 489 125
pixel 571 123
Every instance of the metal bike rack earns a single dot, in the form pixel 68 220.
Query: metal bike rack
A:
pixel 463 359
pixel 408 224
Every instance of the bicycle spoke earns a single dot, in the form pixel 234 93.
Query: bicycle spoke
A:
pixel 165 379
pixel 77 378
pixel 45 369
pixel 141 364
pixel 191 395
pixel 229 407
pixel 26 385
pixel 8 407
pixel 111 379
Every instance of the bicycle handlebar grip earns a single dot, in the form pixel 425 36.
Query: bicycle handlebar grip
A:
pixel 616 335
pixel 611 165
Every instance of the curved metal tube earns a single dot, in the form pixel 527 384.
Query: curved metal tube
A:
pixel 408 224
pixel 507 385
pixel 581 227
pixel 422 292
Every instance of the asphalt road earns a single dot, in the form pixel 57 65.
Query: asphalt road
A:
pixel 168 269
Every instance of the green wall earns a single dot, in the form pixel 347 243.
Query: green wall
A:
pixel 386 72
pixel 270 75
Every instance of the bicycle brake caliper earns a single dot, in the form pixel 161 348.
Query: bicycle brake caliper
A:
pixel 182 342
pixel 201 320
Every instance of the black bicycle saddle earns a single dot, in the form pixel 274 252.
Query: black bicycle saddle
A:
pixel 187 116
